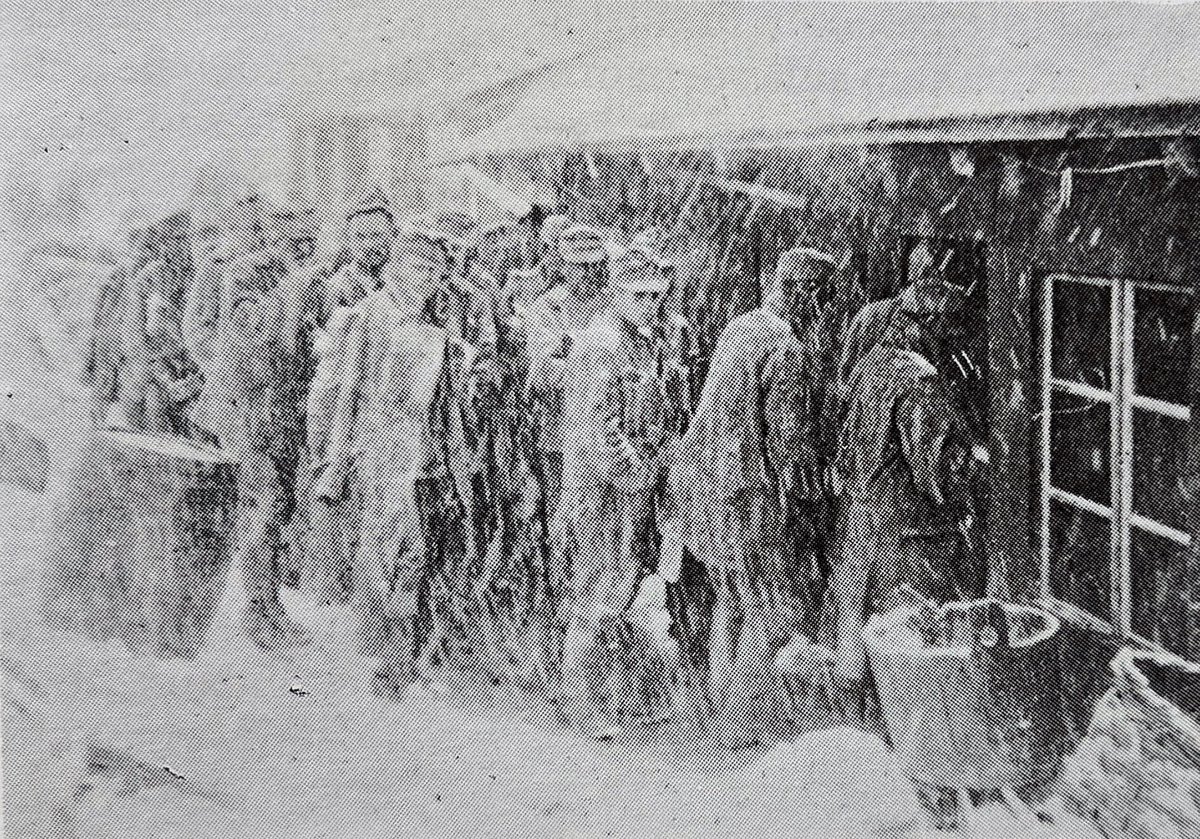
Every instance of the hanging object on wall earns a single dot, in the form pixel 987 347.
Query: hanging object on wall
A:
pixel 949 206
pixel 1066 183
pixel 1179 158
pixel 962 161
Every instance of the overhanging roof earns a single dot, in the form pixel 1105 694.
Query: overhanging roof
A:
pixel 784 74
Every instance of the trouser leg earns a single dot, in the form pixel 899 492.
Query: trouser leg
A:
pixel 265 505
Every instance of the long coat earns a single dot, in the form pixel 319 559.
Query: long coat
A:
pixel 399 416
pixel 622 423
pixel 904 459
pixel 750 448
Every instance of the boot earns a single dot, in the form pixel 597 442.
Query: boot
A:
pixel 268 626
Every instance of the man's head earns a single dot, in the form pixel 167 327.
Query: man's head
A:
pixel 497 248
pixel 456 230
pixel 294 228
pixel 172 242
pixel 933 308
pixel 205 237
pixel 639 282
pixel 550 256
pixel 800 276
pixel 243 227
pixel 584 259
pixel 370 233
pixel 418 271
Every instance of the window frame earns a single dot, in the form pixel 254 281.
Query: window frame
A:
pixel 1123 403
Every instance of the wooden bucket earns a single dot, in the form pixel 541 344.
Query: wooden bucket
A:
pixel 142 542
pixel 980 709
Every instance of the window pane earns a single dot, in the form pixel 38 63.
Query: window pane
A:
pixel 1081 335
pixel 1080 447
pixel 1162 344
pixel 1160 590
pixel 1079 561
pixel 1159 460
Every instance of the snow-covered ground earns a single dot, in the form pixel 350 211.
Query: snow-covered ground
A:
pixel 260 760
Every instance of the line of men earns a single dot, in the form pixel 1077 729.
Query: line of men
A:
pixel 501 455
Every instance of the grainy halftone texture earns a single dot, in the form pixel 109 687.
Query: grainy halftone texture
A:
pixel 561 419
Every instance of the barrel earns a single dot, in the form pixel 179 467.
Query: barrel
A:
pixel 970 693
pixel 141 543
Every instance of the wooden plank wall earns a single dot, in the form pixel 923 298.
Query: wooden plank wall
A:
pixel 1193 594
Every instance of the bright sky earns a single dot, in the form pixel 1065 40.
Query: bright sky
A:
pixel 130 97
pixel 135 95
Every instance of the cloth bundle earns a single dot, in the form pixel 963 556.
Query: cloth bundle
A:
pixel 1137 771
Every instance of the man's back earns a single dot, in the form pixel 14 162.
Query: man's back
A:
pixel 726 430
pixel 867 329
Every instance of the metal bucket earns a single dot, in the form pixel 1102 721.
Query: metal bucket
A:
pixel 142 542
pixel 979 710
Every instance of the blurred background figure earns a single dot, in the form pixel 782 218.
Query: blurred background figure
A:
pixel 163 382
pixel 399 411
pixel 104 355
pixel 554 320
pixel 368 236
pixel 906 458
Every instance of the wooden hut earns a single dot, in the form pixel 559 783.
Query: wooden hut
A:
pixel 1057 139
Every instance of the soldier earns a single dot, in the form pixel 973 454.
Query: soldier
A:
pixel 228 233
pixel 161 380
pixel 550 261
pixel 474 299
pixel 622 423
pixel 295 227
pixel 749 457
pixel 872 323
pixel 256 390
pixel 293 233
pixel 907 459
pixel 400 408
pixel 553 322
pixel 368 237
pixel 105 357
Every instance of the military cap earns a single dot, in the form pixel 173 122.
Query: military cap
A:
pixel 246 211
pixel 930 292
pixel 455 226
pixel 791 264
pixel 176 221
pixel 420 242
pixel 582 245
pixel 206 217
pixel 638 268
pixel 799 255
pixel 373 201
pixel 294 218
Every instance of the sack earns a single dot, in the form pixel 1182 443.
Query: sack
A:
pixel 1137 771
